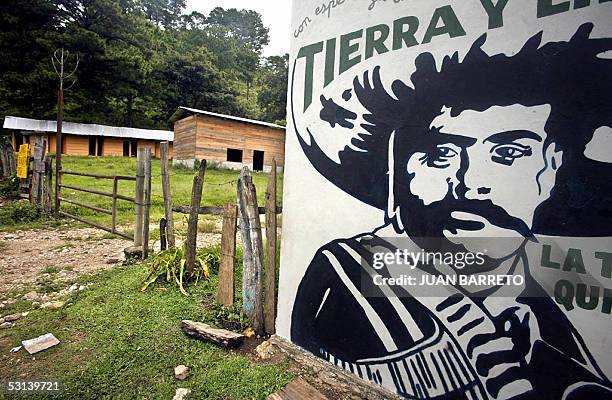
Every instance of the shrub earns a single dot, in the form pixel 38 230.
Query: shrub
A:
pixel 207 227
pixel 9 187
pixel 20 212
pixel 231 318
pixel 212 256
pixel 169 265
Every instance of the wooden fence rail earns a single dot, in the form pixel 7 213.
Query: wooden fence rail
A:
pixel 216 210
pixel 114 195
pixel 98 176
pixel 99 192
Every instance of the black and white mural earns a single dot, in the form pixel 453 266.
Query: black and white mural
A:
pixel 447 227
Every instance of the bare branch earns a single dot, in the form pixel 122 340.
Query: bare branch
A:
pixel 71 85
pixel 54 66
pixel 75 68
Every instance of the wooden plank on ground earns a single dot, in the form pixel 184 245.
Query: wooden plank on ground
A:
pixel 298 389
pixel 220 337
pixel 225 295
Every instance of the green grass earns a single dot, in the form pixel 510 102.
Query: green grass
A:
pixel 219 187
pixel 52 269
pixel 120 343
pixel 20 214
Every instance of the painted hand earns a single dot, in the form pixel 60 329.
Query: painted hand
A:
pixel 501 355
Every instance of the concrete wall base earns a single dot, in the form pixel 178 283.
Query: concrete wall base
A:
pixel 223 165
pixel 184 163
pixel 341 380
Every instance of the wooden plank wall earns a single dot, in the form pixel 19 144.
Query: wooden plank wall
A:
pixel 113 146
pixel 185 138
pixel 78 145
pixel 216 135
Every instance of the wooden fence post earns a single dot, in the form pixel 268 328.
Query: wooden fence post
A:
pixel 167 194
pixel 147 203
pixel 7 157
pixel 139 196
pixel 225 295
pixel 250 231
pixel 36 193
pixel 114 206
pixel 270 281
pixel 163 226
pixel 59 143
pixel 48 189
pixel 3 157
pixel 192 225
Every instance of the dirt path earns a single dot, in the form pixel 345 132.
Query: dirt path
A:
pixel 53 258
pixel 29 257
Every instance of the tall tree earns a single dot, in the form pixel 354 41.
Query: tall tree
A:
pixel 194 81
pixel 273 95
pixel 164 13
pixel 140 59
pixel 246 25
pixel 26 75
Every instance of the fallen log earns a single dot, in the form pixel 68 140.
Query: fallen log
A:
pixel 205 332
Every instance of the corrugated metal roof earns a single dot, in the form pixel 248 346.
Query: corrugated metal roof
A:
pixel 183 110
pixel 36 125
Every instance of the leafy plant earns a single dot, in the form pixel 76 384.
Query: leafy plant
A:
pixel 18 212
pixel 207 227
pixel 228 317
pixel 170 266
pixel 212 256
pixel 9 186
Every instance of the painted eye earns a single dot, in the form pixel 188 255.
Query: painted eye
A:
pixel 445 152
pixel 438 156
pixel 507 153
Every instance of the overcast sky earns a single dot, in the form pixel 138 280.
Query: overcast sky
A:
pixel 276 15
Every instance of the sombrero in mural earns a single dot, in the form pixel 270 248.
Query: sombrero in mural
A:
pixel 574 76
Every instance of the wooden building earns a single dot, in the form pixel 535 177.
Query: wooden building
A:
pixel 226 141
pixel 87 139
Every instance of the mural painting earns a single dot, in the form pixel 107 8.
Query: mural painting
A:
pixel 458 162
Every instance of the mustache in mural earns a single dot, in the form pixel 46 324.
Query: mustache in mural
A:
pixel 493 213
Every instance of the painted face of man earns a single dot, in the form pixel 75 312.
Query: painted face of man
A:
pixel 490 169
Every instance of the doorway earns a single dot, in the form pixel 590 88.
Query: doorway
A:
pixel 258 160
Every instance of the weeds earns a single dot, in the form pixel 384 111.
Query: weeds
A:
pixel 9 187
pixel 207 227
pixel 47 284
pixel 231 318
pixel 61 247
pixel 52 270
pixel 20 212
pixel 170 265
